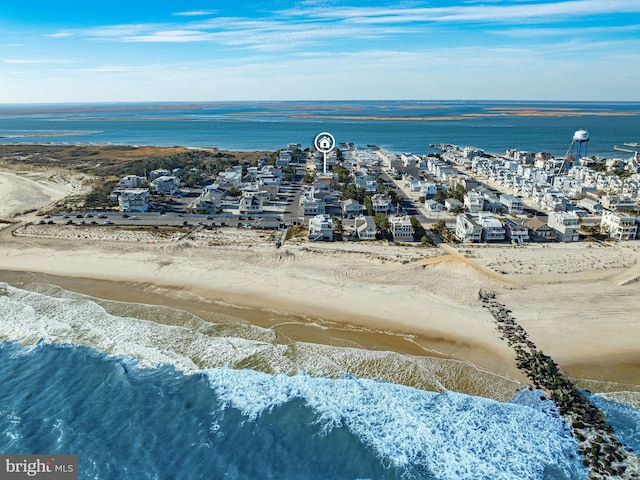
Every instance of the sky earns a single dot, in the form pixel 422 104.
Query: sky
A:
pixel 60 51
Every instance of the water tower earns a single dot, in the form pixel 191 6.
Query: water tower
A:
pixel 580 145
pixel 576 150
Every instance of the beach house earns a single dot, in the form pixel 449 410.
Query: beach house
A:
pixel 209 200
pixel 131 181
pixel 565 225
pixel 134 200
pixel 468 229
pixel 165 185
pixel 619 225
pixel 321 228
pixel 433 208
pixel 251 203
pixel 492 229
pixel 539 230
pixel 401 229
pixel 351 208
pixel 365 228
pixel 311 203
pixel 381 203
pixel 512 204
pixel 516 232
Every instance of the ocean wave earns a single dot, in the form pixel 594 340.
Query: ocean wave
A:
pixel 126 421
pixel 162 335
pixel 451 435
pixel 622 417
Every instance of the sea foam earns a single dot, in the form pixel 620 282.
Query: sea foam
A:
pixel 451 435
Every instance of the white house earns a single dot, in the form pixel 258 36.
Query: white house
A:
pixel 251 204
pixel 590 205
pixel 451 203
pixel 366 228
pixel 311 204
pixel 468 229
pixel 619 225
pixel 566 226
pixel 381 203
pixel 473 201
pixel 492 229
pixel 512 204
pixel 209 201
pixel 131 181
pixel 165 185
pixel 351 207
pixel 321 228
pixel 401 230
pixel 134 200
pixel 432 207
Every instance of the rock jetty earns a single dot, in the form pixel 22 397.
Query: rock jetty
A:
pixel 602 453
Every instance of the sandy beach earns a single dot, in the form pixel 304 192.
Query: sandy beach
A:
pixel 578 302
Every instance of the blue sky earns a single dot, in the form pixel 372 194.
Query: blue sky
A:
pixel 188 50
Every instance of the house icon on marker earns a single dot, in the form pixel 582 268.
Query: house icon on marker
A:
pixel 325 143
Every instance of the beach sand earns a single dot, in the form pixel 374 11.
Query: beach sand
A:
pixel 579 302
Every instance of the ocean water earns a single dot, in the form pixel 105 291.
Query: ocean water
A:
pixel 396 126
pixel 77 377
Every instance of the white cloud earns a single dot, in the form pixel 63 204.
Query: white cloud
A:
pixel 34 61
pixel 528 13
pixel 60 35
pixel 170 36
pixel 195 13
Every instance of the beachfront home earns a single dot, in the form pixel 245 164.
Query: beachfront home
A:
pixel 468 229
pixel 492 229
pixel 516 232
pixel 251 203
pixel 366 228
pixel 619 225
pixel 539 230
pixel 620 204
pixel 400 227
pixel 209 201
pixel 321 228
pixel 134 200
pixel 565 225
